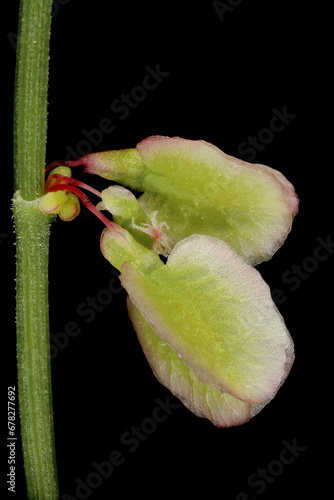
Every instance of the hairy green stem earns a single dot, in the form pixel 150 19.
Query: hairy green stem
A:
pixel 33 350
pixel 32 240
pixel 30 112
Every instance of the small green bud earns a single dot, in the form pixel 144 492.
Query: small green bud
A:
pixel 70 209
pixel 128 213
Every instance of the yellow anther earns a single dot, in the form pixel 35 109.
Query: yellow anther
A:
pixel 50 203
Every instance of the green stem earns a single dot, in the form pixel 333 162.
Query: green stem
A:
pixel 32 240
pixel 30 113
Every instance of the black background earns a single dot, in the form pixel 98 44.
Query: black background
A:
pixel 223 80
